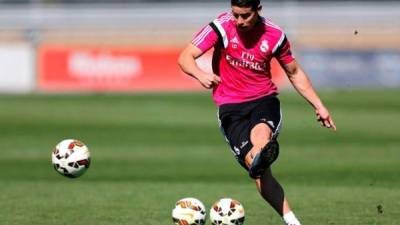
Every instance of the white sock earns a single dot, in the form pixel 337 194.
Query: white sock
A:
pixel 290 219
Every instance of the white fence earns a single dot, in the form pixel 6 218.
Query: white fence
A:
pixel 17 68
pixel 350 27
pixel 179 20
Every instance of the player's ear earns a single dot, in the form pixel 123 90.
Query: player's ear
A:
pixel 259 7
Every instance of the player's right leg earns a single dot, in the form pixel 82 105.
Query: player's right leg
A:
pixel 271 190
pixel 273 193
pixel 248 128
pixel 265 150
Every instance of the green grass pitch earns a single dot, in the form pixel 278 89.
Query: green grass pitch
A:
pixel 149 150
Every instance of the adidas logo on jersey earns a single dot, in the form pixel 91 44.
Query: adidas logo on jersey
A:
pixel 234 40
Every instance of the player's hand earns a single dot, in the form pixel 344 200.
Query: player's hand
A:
pixel 209 80
pixel 325 118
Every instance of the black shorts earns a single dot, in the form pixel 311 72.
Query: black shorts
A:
pixel 237 120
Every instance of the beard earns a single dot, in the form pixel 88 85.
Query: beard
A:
pixel 243 28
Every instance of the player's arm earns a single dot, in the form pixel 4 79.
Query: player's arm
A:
pixel 187 62
pixel 303 85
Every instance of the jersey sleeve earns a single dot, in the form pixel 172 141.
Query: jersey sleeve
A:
pixel 205 39
pixel 283 53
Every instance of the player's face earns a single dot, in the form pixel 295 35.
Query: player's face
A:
pixel 245 18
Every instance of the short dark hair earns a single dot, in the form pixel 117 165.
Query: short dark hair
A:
pixel 246 3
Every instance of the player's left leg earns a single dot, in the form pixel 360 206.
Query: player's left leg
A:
pixel 264 151
pixel 263 136
pixel 269 188
pixel 263 158
pixel 265 125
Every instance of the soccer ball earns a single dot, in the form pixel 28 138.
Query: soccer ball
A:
pixel 189 211
pixel 71 158
pixel 227 211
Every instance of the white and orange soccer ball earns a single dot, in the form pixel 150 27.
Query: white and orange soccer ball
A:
pixel 189 211
pixel 227 211
pixel 71 158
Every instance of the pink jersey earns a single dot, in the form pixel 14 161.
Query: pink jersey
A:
pixel 242 60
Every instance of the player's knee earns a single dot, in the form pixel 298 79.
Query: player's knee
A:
pixel 261 135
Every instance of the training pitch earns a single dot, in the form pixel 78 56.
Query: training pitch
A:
pixel 149 150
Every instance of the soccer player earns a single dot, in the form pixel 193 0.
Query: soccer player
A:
pixel 249 110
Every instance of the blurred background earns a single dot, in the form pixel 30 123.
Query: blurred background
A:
pixel 86 46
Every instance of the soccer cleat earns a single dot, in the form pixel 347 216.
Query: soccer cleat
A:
pixel 297 223
pixel 264 159
pixel 294 222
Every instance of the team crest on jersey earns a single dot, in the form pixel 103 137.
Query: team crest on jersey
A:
pixel 264 46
